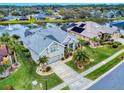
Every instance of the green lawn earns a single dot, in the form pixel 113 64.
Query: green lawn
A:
pixel 97 54
pixel 99 20
pixel 65 88
pixel 100 71
pixel 24 76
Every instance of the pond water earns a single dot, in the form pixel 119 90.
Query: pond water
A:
pixel 120 25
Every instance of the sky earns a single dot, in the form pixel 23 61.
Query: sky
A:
pixel 32 4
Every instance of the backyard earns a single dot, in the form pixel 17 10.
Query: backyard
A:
pixel 96 55
pixel 23 77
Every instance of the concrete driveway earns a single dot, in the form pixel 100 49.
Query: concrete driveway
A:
pixel 63 71
pixel 71 78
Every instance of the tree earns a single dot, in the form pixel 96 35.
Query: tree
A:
pixel 43 62
pixel 68 52
pixel 5 38
pixel 81 58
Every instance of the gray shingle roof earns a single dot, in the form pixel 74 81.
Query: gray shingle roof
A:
pixel 43 38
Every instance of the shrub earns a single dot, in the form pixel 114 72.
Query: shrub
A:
pixel 25 49
pixel 21 42
pixel 122 36
pixel 86 43
pixel 118 43
pixel 27 54
pixel 62 58
pixel 15 36
pixel 114 46
pixel 48 69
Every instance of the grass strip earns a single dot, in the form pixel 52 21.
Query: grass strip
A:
pixel 106 67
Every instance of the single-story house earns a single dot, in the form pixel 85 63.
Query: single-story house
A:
pixel 49 42
pixel 89 30
pixel 10 18
pixel 23 18
pixel 40 16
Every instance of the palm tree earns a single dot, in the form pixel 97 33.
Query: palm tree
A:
pixel 105 37
pixel 95 39
pixel 81 41
pixel 81 58
pixel 43 61
pixel 68 52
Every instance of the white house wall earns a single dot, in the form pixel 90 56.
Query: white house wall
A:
pixel 52 55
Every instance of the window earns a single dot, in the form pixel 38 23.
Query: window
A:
pixel 54 48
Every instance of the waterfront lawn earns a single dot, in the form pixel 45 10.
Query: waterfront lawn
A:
pixel 97 55
pixel 103 69
pixel 23 77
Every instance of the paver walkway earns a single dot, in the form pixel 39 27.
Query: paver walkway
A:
pixel 69 76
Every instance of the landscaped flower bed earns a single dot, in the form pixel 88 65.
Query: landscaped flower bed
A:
pixel 96 55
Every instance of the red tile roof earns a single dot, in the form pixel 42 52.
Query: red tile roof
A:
pixel 3 52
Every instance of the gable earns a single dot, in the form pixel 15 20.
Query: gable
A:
pixel 50 45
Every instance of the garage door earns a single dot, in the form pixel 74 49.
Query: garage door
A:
pixel 54 59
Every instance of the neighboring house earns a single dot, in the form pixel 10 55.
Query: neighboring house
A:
pixel 10 18
pixel 109 15
pixel 96 13
pixel 4 55
pixel 31 26
pixel 49 42
pixel 2 19
pixel 23 18
pixel 88 30
pixel 113 13
pixel 40 16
